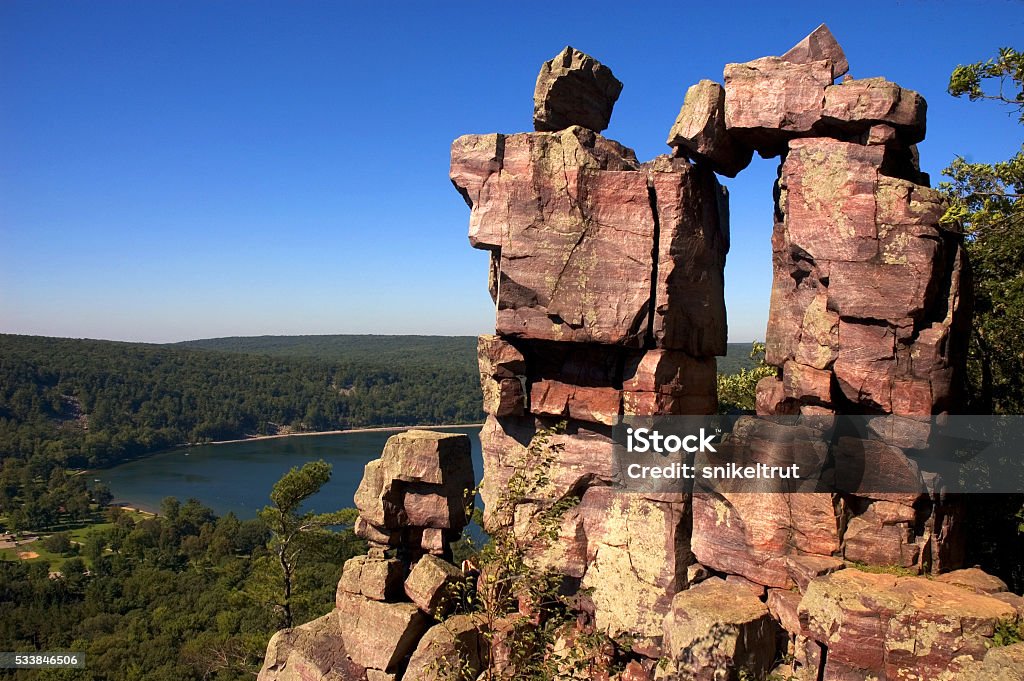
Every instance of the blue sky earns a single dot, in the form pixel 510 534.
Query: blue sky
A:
pixel 176 170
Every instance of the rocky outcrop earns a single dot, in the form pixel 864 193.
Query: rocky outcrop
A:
pixel 412 501
pixel 700 132
pixel 607 279
pixel 310 652
pixel 413 497
pixel 897 627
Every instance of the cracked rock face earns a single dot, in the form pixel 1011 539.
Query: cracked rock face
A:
pixel 897 627
pixel 867 287
pixel 572 222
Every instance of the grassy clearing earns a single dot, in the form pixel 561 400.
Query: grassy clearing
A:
pixel 79 532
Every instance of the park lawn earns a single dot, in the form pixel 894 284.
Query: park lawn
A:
pixel 55 560
pixel 78 532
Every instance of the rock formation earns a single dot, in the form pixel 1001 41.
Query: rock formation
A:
pixel 413 502
pixel 607 279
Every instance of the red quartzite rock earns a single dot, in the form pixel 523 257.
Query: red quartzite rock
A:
pixel 817 45
pixel 584 457
pixel 752 535
pixel 1000 664
pixel 856 105
pixel 803 569
pixel 378 635
pixel 311 652
pixel 714 629
pixel 866 286
pixel 897 627
pixel 700 133
pixel 636 557
pixel 432 585
pixel 379 579
pixel 573 88
pixel 570 224
pixel 693 221
pixel 454 649
pixel 973 579
pixel 769 101
pixel 502 374
pixel 596 405
pixel 669 382
pixel 569 220
pixel 417 488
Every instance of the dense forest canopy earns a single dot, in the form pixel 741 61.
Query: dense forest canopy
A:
pixel 93 403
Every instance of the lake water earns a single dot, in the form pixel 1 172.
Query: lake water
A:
pixel 238 476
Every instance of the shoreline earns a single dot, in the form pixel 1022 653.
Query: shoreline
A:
pixel 255 438
pixel 369 429
pixel 131 506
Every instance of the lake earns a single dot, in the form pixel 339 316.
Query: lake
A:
pixel 238 476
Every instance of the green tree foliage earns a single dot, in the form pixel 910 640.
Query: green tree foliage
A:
pixel 985 200
pixel 93 403
pixel 739 390
pixel 164 597
pixel 295 534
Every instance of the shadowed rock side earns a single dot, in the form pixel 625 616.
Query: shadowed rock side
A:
pixel 573 88
pixel 607 278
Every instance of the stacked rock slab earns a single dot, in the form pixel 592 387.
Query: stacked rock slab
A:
pixel 867 307
pixel 412 503
pixel 607 277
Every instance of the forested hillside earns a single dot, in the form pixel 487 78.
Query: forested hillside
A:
pixel 88 403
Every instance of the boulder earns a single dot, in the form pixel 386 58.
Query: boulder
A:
pixel 770 101
pixel 310 652
pixel 1000 664
pixel 752 535
pixel 573 88
pixel 452 650
pixel 417 487
pixel 856 105
pixel 378 635
pixel 595 405
pixel 571 226
pixel 830 200
pixel 636 558
pixel 379 579
pixel 432 585
pixel 714 630
pixel 819 44
pixel 699 132
pixel 895 627
pixel 973 579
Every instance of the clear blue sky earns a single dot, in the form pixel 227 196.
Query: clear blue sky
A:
pixel 175 170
